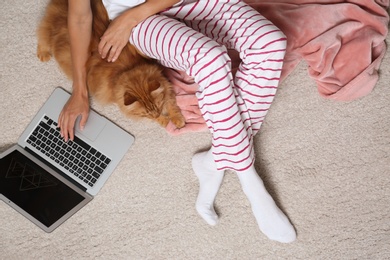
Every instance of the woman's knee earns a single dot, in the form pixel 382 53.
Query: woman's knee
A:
pixel 211 60
pixel 281 40
pixel 273 39
pixel 264 46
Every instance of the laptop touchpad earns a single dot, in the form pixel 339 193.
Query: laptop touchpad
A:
pixel 93 127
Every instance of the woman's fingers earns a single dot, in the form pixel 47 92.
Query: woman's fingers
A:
pixel 66 124
pixel 114 53
pixel 83 121
pixel 109 50
pixel 104 48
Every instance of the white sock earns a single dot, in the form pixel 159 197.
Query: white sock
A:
pixel 210 180
pixel 270 219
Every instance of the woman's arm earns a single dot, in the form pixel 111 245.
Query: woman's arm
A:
pixel 118 33
pixel 80 29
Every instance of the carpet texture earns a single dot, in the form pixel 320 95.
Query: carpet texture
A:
pixel 326 163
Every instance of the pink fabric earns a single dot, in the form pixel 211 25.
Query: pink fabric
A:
pixel 185 88
pixel 343 43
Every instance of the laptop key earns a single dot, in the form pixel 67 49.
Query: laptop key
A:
pixel 98 169
pixel 82 143
pixel 96 175
pixel 44 125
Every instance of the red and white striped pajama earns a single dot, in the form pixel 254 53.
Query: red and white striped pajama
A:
pixel 194 36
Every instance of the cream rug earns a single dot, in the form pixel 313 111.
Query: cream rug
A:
pixel 326 163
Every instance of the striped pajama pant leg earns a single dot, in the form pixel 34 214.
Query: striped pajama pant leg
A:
pixel 194 37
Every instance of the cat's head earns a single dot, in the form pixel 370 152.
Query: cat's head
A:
pixel 145 92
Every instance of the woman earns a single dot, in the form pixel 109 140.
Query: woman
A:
pixel 193 36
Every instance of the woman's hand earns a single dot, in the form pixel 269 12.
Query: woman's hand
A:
pixel 77 105
pixel 118 32
pixel 115 37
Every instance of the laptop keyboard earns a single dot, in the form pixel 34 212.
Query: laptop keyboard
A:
pixel 77 157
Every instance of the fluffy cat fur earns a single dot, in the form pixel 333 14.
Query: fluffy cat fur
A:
pixel 136 84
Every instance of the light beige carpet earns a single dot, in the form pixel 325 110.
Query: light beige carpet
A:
pixel 326 163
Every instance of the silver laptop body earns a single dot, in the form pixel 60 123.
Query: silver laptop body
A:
pixel 42 168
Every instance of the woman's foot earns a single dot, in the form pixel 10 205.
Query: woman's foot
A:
pixel 270 219
pixel 210 180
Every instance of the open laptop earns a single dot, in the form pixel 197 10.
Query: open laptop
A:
pixel 46 179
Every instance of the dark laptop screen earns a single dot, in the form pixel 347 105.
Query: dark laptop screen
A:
pixel 34 190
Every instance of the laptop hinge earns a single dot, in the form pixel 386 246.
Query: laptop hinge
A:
pixel 78 185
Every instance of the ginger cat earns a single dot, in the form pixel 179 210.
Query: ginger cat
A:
pixel 136 84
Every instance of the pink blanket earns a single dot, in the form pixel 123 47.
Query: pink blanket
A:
pixel 342 41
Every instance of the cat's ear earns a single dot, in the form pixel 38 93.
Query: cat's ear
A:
pixel 129 99
pixel 155 84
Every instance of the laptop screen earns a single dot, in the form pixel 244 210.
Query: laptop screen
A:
pixel 34 190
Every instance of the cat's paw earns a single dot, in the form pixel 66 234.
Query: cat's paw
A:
pixel 43 55
pixel 179 121
pixel 163 120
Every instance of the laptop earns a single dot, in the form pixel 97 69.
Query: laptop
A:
pixel 47 179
